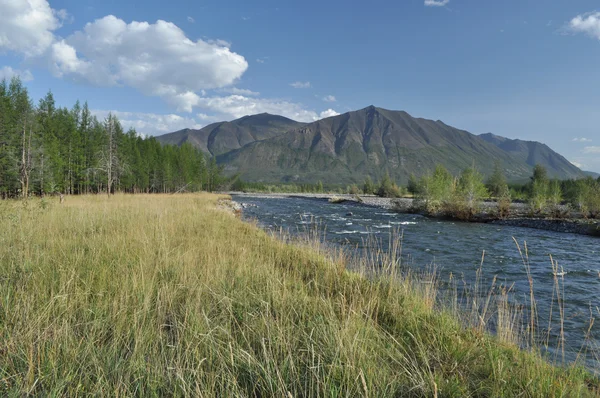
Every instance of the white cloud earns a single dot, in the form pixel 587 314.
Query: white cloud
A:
pixel 26 27
pixel 191 20
pixel 586 23
pixel 436 3
pixel 328 113
pixel 582 140
pixel 591 149
pixel 156 59
pixel 301 84
pixel 236 106
pixel 8 73
pixel 260 61
pixel 151 123
pixel 239 91
pixel 578 164
pixel 329 98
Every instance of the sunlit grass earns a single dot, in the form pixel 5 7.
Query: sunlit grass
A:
pixel 154 295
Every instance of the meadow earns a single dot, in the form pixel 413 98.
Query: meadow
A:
pixel 171 295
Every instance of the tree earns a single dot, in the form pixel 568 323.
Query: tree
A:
pixel 496 183
pixel 23 112
pixel 368 186
pixel 388 188
pixel 469 193
pixel 434 193
pixel 320 186
pixel 413 185
pixel 108 159
pixel 538 191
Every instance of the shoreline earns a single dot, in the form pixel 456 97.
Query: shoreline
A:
pixel 404 205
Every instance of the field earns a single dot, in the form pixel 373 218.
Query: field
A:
pixel 169 295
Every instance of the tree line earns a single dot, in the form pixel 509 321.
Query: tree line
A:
pixel 45 149
pixel 441 193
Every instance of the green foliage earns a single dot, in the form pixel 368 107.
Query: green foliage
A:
pixel 496 183
pixel 539 189
pixel 584 196
pixel 434 193
pixel 353 190
pixel 46 149
pixel 368 186
pixel 388 188
pixel 504 203
pixel 413 185
pixel 469 193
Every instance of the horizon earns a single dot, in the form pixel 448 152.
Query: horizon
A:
pixel 512 69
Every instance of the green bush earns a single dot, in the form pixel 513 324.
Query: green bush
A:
pixel 388 188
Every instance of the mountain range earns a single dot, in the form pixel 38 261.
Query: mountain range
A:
pixel 372 141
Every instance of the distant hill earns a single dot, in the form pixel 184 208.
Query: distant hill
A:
pixel 222 137
pixel 372 141
pixel 532 153
pixel 592 174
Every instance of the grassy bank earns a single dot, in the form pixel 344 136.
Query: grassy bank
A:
pixel 168 295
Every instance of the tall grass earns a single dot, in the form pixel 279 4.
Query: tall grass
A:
pixel 168 295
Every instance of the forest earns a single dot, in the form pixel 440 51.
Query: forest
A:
pixel 45 149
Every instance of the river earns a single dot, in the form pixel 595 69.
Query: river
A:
pixel 456 248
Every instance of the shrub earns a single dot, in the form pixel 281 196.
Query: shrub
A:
pixel 388 188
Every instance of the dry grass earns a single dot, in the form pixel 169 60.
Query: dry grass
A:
pixel 170 296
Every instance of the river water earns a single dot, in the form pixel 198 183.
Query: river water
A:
pixel 456 248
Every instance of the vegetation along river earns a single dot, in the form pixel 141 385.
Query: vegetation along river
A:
pixel 456 248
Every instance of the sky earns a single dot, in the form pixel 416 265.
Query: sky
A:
pixel 527 69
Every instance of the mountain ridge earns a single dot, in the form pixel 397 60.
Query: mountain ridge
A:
pixel 367 142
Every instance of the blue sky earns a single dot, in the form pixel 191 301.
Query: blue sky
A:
pixel 518 68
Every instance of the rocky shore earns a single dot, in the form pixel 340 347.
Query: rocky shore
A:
pixel 518 218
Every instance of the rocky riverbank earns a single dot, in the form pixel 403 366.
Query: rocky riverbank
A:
pixel 518 218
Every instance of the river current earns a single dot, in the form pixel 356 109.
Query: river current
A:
pixel 456 248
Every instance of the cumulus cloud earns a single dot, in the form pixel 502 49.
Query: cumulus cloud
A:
pixel 156 59
pixel 236 106
pixel 436 3
pixel 576 163
pixel 8 73
pixel 301 84
pixel 328 113
pixel 150 123
pixel 591 150
pixel 582 140
pixel 329 98
pixel 27 27
pixel 586 23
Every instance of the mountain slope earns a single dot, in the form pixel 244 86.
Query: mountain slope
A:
pixel 371 141
pixel 222 137
pixel 532 153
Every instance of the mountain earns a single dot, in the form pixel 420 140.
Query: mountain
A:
pixel 223 137
pixel 371 141
pixel 532 153
pixel 592 174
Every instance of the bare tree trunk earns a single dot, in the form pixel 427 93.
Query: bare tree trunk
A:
pixel 42 177
pixel 24 172
pixel 110 156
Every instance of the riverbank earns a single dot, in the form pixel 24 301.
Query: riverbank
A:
pixel 518 215
pixel 171 295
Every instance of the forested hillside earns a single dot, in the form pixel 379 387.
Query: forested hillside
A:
pixel 47 149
